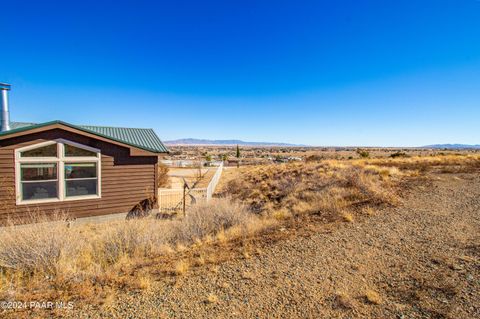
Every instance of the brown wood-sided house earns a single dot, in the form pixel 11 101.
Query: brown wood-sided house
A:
pixel 80 170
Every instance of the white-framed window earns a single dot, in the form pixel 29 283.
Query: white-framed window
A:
pixel 55 171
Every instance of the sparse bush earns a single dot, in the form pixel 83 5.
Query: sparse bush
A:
pixel 144 282
pixel 398 154
pixel 373 297
pixel 38 247
pixel 369 211
pixel 129 238
pixel 326 188
pixel 281 214
pixel 212 298
pixel 96 253
pixel 210 218
pixel 363 153
pixel 348 217
pixel 182 267
pixel 163 179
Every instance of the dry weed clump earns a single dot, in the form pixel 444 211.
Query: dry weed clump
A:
pixel 212 298
pixel 135 238
pixel 182 267
pixel 212 219
pixel 163 178
pixel 144 282
pixel 327 188
pixel 38 247
pixel 70 255
pixel 347 217
pixel 369 210
pixel 373 297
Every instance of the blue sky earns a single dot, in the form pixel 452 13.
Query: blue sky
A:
pixel 366 73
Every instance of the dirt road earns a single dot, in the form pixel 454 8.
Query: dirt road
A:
pixel 422 258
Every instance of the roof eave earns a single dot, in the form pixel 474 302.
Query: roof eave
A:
pixel 46 125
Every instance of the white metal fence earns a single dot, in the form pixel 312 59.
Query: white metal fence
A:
pixel 214 181
pixel 171 200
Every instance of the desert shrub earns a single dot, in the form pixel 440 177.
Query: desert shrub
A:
pixel 363 153
pixel 36 247
pixel 126 239
pixel 330 186
pixel 58 248
pixel 210 218
pixel 83 259
pixel 398 154
pixel 324 188
pixel 146 237
pixel 163 179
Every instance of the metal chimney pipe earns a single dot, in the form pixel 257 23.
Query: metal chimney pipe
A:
pixel 5 114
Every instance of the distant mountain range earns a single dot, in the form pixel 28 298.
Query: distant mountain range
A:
pixel 195 141
pixel 453 146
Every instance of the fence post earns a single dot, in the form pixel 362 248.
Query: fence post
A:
pixel 175 199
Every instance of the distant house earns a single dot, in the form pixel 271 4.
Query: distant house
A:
pixel 81 170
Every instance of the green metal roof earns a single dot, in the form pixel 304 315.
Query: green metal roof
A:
pixel 142 138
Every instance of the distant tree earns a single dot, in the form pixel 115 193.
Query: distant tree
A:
pixel 238 156
pixel 208 157
pixel 363 153
pixel 224 157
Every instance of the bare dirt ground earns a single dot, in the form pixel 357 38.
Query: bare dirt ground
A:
pixel 421 258
pixel 178 175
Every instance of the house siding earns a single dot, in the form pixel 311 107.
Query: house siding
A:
pixel 125 180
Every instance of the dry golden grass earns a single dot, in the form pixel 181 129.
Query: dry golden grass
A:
pixel 144 282
pixel 54 254
pixel 281 214
pixel 335 189
pixel 200 261
pixel 328 188
pixel 347 217
pixel 369 211
pixel 182 267
pixel 50 257
pixel 38 248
